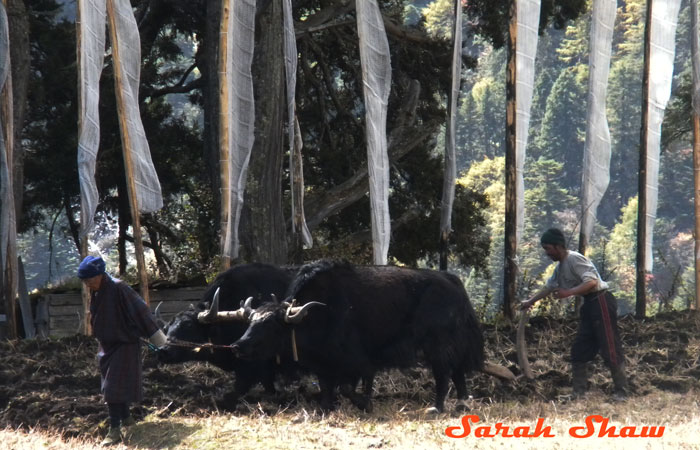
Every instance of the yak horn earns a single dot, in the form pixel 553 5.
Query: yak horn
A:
pixel 223 316
pixel 214 315
pixel 294 314
pixel 159 318
pixel 521 346
pixel 209 315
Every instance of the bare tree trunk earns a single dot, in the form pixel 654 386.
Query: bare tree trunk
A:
pixel 126 139
pixel 19 55
pixel 211 101
pixel 124 221
pixel 161 258
pixel 263 229
pixel 73 226
pixel 641 282
pixel 510 244
pixel 696 166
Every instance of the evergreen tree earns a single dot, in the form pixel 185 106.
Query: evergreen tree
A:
pixel 563 126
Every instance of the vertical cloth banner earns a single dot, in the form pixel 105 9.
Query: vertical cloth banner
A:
pixel 596 151
pixel 91 43
pixel 8 227
pixel 241 111
pixel 448 187
pixel 91 49
pixel 527 22
pixel 298 192
pixel 664 19
pixel 376 76
pixel 290 65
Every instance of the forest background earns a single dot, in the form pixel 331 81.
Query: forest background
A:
pixel 178 96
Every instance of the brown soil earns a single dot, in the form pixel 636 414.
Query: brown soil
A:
pixel 54 384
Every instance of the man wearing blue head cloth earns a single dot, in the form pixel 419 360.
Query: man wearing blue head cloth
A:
pixel 119 318
pixel 575 275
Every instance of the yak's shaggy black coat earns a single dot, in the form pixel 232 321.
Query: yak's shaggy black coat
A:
pixel 375 317
pixel 259 281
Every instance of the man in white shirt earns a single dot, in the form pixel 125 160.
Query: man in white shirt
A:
pixel 597 332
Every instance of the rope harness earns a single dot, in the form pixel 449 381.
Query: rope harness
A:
pixel 211 346
pixel 187 344
pixel 205 345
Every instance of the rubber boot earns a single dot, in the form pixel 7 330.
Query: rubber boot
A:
pixel 620 382
pixel 128 421
pixel 127 418
pixel 579 378
pixel 114 436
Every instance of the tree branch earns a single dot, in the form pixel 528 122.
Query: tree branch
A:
pixel 406 33
pixel 324 19
pixel 328 79
pixel 402 140
pixel 310 77
pixel 366 235
pixel 179 87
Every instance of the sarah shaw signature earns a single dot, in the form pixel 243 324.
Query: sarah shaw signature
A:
pixel 540 430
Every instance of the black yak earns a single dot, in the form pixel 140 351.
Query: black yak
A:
pixel 344 323
pixel 260 283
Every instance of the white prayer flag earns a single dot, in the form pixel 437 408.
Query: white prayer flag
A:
pixel 527 22
pixel 241 111
pixel 596 152
pixel 664 19
pixel 376 75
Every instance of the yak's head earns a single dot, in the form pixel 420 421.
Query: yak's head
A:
pixel 183 328
pixel 197 326
pixel 269 329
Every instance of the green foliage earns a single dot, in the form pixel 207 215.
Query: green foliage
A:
pixel 50 133
pixel 439 18
pixel 481 107
pixel 329 93
pixel 329 107
pixel 557 132
pixel 491 20
pixel 685 295
pixel 547 69
pixel 49 256
pixel 624 109
pixel 671 284
pixel 563 127
pixel 487 177
pixel 545 194
pixel 621 250
pixel 675 178
pixel 562 85
pixel 543 203
pixel 674 251
pixel 573 49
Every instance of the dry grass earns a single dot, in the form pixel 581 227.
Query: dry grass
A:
pixel 389 428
